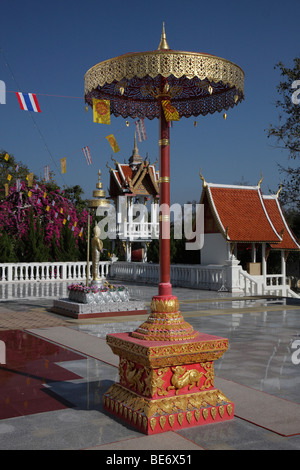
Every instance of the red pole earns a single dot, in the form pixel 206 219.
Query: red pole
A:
pixel 165 287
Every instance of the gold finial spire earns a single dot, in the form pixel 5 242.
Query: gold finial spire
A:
pixel 99 185
pixel 279 191
pixel 204 182
pixel 163 41
pixel 260 181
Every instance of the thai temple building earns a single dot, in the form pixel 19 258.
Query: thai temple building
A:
pixel 134 185
pixel 243 229
pixel 239 219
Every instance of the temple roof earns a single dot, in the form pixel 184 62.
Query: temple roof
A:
pixel 289 241
pixel 243 214
pixel 138 177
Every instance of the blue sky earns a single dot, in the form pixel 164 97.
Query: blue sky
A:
pixel 48 46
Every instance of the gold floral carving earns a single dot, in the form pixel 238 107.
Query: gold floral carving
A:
pixel 209 374
pixel 169 355
pixel 165 406
pixel 159 382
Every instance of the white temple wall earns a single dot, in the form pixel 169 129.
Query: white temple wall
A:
pixel 215 249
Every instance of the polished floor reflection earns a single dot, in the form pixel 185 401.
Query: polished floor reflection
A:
pixel 31 366
pixel 52 383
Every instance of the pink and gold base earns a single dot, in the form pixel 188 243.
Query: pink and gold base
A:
pixel 166 374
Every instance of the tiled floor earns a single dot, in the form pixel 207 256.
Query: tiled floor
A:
pixel 57 370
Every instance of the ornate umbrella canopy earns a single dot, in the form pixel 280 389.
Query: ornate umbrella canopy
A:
pixel 196 83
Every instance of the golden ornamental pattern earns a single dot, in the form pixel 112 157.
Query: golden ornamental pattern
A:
pixel 171 63
pixel 171 354
pixel 197 83
pixel 131 403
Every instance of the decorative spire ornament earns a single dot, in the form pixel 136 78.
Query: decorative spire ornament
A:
pixel 163 41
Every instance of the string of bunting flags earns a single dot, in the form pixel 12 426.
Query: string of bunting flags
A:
pixel 101 115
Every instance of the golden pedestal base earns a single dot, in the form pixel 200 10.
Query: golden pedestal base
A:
pixel 165 385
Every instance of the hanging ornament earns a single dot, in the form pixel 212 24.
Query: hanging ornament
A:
pixel 86 108
pixel 210 89
pixel 224 115
pixel 236 98
pixel 195 123
pixel 127 123
pixel 122 89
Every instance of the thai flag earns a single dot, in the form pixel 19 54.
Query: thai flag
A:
pixel 87 155
pixel 141 131
pixel 28 102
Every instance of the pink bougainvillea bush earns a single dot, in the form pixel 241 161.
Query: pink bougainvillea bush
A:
pixel 52 212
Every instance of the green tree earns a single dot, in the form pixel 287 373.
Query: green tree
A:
pixel 74 193
pixel 10 168
pixel 7 249
pixel 32 246
pixel 68 249
pixel 287 132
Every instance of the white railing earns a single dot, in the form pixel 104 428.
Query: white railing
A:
pixel 271 284
pixel 134 231
pixel 210 277
pixel 60 271
pixel 194 276
pixel 137 230
pixel 250 285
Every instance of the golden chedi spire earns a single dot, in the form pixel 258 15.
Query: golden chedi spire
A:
pixel 163 41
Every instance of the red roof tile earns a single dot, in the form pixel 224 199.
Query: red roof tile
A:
pixel 241 214
pixel 289 241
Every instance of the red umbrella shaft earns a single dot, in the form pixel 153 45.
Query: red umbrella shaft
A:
pixel 165 287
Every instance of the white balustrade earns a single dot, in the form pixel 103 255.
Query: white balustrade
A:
pixel 210 277
pixel 60 271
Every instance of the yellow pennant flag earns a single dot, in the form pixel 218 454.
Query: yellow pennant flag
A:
pixel 47 208
pixel 29 193
pixel 63 165
pixel 30 179
pixel 101 111
pixel 9 177
pixel 171 113
pixel 113 143
pixel 6 157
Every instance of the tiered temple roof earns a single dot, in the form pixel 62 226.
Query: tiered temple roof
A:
pixel 136 178
pixel 244 215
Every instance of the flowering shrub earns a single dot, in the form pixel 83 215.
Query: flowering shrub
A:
pixel 94 288
pixel 51 210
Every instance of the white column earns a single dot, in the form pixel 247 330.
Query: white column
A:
pixel 253 253
pixel 263 261
pixel 128 251
pixel 283 267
